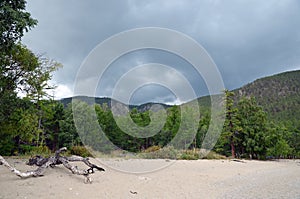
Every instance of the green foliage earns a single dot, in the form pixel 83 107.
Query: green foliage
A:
pixel 7 145
pixel 80 151
pixel 214 156
pixel 189 155
pixel 152 149
pixel 246 126
pixel 277 142
pixel 253 123
pixel 253 136
pixel 279 95
pixel 229 138
pixel 167 152
pixel 38 150
pixel 67 136
pixel 15 21
pixel 22 121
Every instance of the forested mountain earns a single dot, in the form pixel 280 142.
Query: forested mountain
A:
pixel 279 95
pixel 105 100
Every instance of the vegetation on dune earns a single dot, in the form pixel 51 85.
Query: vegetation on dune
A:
pixel 262 119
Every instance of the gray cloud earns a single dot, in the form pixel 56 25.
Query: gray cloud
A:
pixel 246 39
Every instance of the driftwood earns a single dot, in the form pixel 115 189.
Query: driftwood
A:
pixel 57 159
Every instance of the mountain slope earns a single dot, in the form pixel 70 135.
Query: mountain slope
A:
pixel 279 95
pixel 108 101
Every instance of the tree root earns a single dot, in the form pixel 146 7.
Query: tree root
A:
pixel 44 163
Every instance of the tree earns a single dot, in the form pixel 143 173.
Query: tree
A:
pixel 15 59
pixel 253 123
pixel 21 72
pixel 13 77
pixel 68 135
pixel 203 128
pixel 231 126
pixel 52 120
pixel 170 128
pixel 276 140
pixel 15 21
pixel 37 87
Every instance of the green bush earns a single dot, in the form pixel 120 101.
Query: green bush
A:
pixel 6 148
pixel 25 148
pixel 80 151
pixel 167 152
pixel 152 149
pixel 213 155
pixel 37 150
pixel 189 156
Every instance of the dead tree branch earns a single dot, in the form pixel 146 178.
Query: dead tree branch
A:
pixel 57 159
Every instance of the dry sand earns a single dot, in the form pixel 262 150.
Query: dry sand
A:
pixel 183 179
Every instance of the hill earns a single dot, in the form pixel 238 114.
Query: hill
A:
pixel 108 102
pixel 279 95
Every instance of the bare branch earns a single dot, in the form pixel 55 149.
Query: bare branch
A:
pixel 44 163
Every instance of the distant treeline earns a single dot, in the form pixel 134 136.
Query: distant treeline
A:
pixel 246 133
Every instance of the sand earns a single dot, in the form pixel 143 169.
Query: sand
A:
pixel 179 179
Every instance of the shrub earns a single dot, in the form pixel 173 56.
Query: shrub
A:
pixel 186 156
pixel 167 152
pixel 6 149
pixel 189 155
pixel 37 150
pixel 214 155
pixel 80 151
pixel 25 149
pixel 152 149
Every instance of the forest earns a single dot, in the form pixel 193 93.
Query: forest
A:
pixel 32 122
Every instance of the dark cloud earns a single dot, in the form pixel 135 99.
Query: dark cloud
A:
pixel 246 39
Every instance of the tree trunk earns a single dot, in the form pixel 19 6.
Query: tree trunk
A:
pixel 232 148
pixel 44 163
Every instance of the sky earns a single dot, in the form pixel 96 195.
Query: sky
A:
pixel 246 40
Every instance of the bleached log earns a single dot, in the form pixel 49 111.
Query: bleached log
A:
pixel 44 163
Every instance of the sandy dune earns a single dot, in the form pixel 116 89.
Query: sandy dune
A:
pixel 179 179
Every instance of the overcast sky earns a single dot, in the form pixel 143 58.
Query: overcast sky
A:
pixel 246 39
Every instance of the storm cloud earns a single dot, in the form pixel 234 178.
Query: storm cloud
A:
pixel 246 39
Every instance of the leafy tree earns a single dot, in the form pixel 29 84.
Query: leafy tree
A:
pixel 21 72
pixel 276 140
pixel 15 21
pixel 253 127
pixel 19 127
pixel 13 77
pixel 15 59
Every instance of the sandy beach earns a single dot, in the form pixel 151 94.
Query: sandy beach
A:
pixel 179 179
